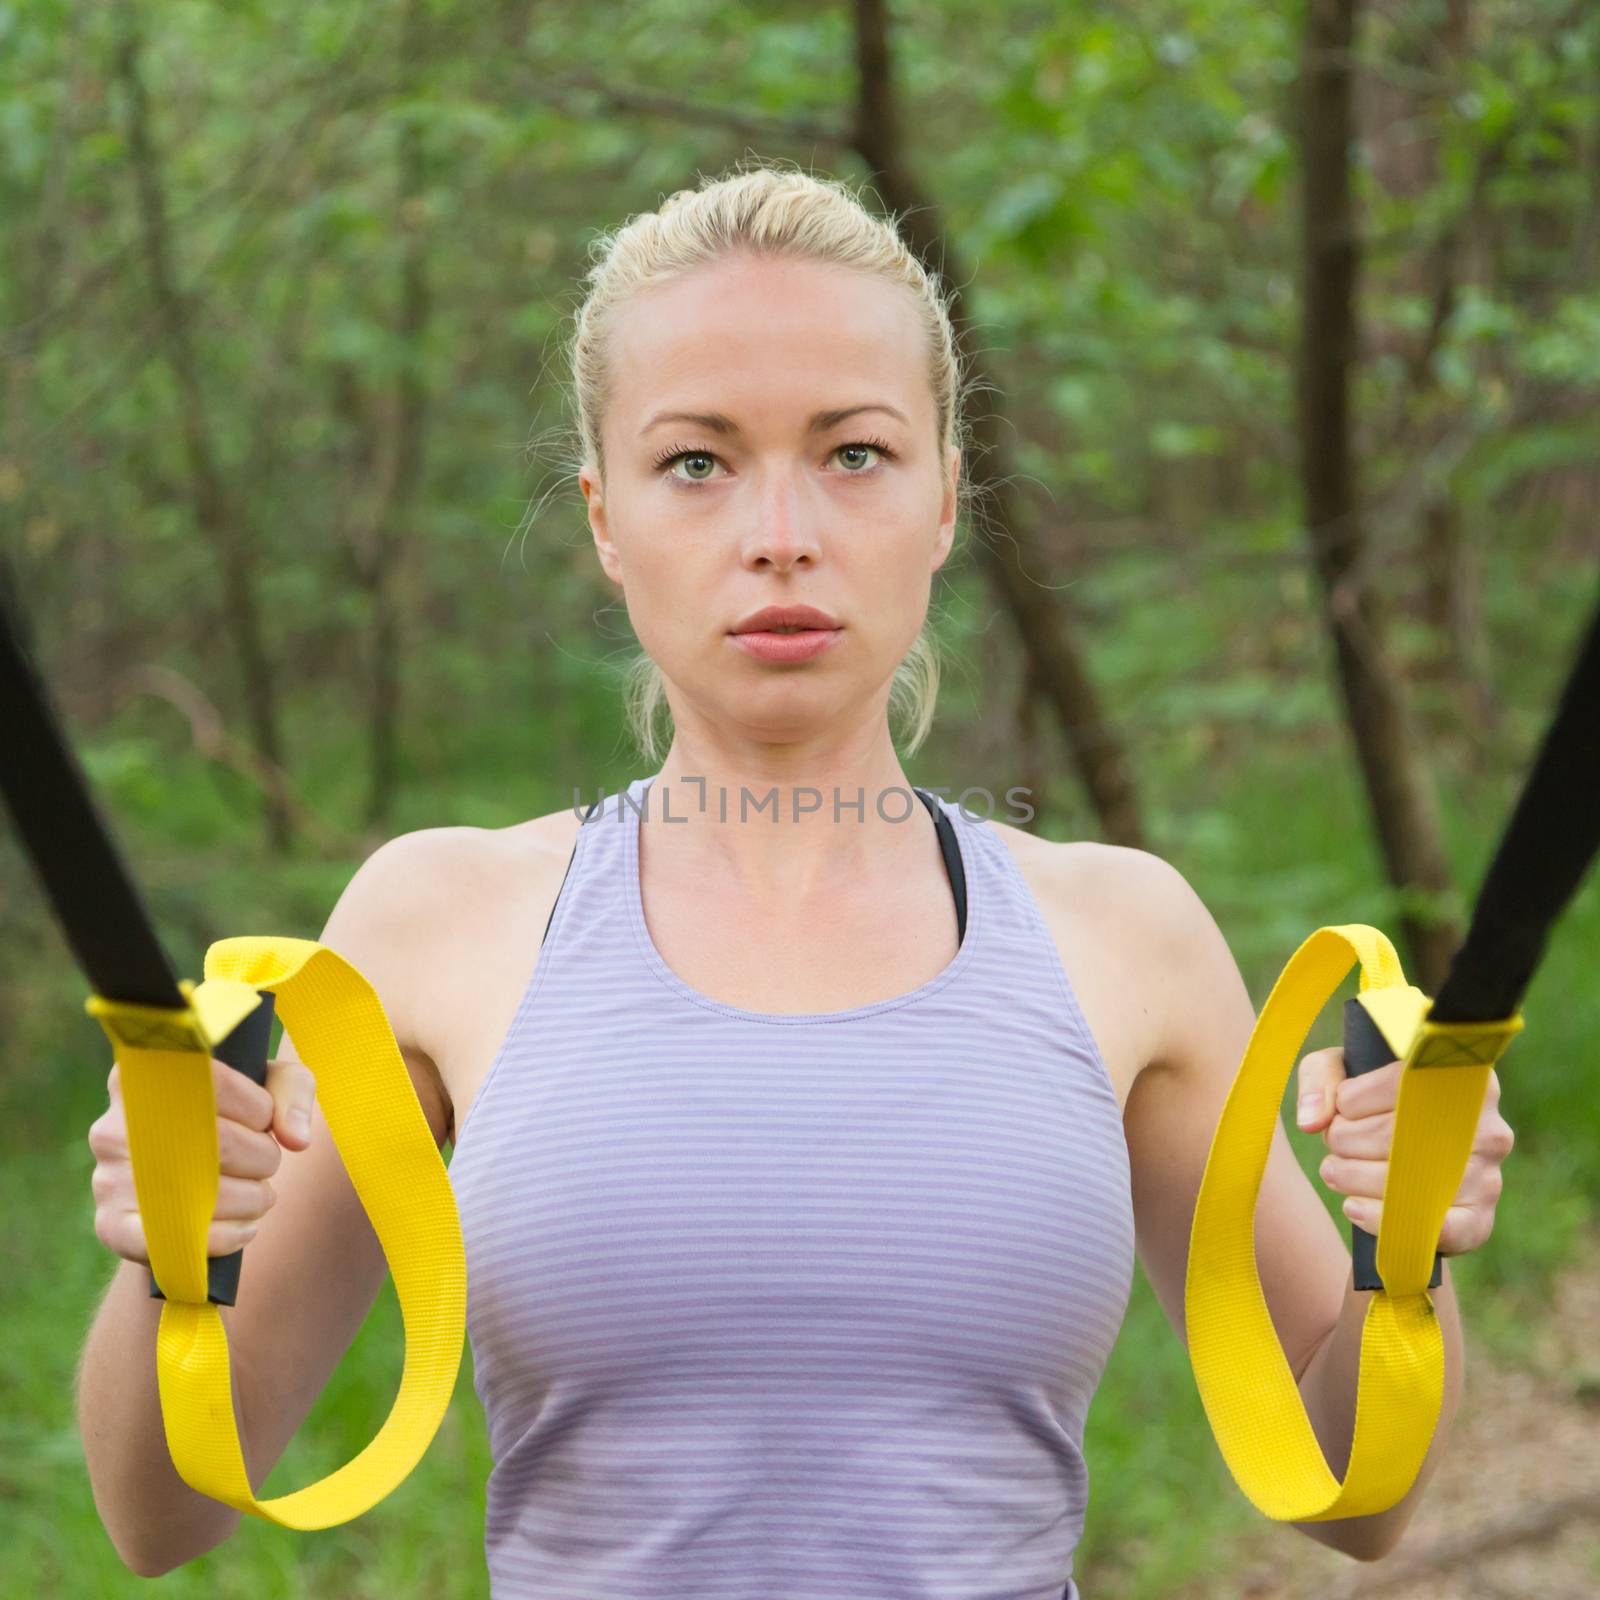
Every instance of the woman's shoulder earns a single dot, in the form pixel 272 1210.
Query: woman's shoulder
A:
pixel 1132 897
pixel 490 883
pixel 1124 875
pixel 468 856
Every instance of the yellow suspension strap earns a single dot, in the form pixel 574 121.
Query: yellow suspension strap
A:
pixel 163 1032
pixel 1245 1381
pixel 1447 1047
pixel 377 1122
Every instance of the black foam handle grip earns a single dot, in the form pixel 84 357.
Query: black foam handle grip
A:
pixel 1365 1050
pixel 245 1050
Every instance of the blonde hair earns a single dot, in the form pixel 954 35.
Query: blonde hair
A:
pixel 766 208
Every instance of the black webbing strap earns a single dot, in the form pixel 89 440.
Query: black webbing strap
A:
pixel 1548 844
pixel 94 895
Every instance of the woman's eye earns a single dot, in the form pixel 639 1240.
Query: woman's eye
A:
pixel 695 455
pixel 698 458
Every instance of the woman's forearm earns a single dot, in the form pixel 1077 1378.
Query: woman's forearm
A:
pixel 155 1520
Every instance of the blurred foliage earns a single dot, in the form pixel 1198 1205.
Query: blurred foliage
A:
pixel 1123 179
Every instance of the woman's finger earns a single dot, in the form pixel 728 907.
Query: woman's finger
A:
pixel 244 1199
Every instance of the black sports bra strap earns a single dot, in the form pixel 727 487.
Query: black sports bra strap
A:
pixel 952 861
pixel 557 901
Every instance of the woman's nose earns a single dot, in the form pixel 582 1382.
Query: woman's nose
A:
pixel 784 532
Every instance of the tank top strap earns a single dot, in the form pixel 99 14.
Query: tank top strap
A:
pixel 585 935
pixel 591 907
pixel 1020 956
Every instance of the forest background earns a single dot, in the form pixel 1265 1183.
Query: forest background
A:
pixel 1287 320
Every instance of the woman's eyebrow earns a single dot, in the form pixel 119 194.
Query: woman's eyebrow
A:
pixel 717 423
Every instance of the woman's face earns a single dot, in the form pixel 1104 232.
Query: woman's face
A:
pixel 703 522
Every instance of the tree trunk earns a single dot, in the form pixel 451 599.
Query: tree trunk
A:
pixel 1403 806
pixel 218 518
pixel 397 511
pixel 1449 598
pixel 1016 565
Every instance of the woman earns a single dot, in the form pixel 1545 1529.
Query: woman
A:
pixel 801 1185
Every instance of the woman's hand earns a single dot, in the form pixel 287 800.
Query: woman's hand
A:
pixel 1356 1119
pixel 255 1124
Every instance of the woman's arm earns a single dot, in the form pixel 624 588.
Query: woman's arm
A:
pixel 309 1279
pixel 154 1520
pixel 1203 1024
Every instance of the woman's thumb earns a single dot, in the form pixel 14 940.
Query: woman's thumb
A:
pixel 294 1093
pixel 1320 1073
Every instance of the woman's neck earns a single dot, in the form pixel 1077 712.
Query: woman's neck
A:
pixel 783 831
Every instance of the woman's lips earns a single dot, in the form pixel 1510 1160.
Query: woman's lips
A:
pixel 800 646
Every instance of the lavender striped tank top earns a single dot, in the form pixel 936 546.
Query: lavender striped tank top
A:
pixel 790 1307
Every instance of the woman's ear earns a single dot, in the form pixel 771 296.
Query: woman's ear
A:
pixel 949 508
pixel 594 498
